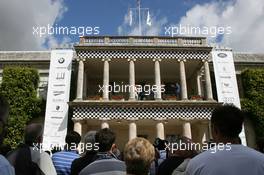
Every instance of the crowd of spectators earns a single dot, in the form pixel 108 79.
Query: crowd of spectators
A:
pixel 139 156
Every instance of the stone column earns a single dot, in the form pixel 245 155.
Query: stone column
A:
pixel 210 131
pixel 106 79
pixel 186 130
pixel 85 85
pixel 198 80
pixel 184 95
pixel 132 130
pixel 157 78
pixel 78 126
pixel 209 94
pixel 79 94
pixel 204 129
pixel 132 79
pixel 104 124
pixel 160 130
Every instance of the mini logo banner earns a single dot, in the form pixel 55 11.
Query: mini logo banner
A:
pixel 56 116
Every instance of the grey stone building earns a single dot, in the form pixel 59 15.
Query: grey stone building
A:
pixel 141 61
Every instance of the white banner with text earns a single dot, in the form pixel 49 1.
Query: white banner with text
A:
pixel 56 116
pixel 226 81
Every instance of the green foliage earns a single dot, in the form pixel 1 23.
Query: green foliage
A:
pixel 253 84
pixel 19 86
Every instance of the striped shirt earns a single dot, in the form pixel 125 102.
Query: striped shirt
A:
pixel 62 161
pixel 105 164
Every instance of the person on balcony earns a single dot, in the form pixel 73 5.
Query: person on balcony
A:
pixel 177 90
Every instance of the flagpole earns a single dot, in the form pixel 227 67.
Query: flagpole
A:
pixel 139 18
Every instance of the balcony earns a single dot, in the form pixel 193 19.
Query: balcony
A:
pixel 145 41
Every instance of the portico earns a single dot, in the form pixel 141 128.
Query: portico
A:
pixel 179 104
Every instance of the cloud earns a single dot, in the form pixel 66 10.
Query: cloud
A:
pixel 17 19
pixel 154 29
pixel 245 19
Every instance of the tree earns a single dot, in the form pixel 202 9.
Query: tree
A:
pixel 253 103
pixel 19 86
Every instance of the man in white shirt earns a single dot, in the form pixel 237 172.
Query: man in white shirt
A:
pixel 228 157
pixel 5 167
pixel 21 159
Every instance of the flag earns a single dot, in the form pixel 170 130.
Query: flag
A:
pixel 138 3
pixel 130 17
pixel 148 19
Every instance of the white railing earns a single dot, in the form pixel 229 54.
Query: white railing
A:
pixel 144 40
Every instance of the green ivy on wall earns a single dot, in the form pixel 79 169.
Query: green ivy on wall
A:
pixel 19 86
pixel 253 103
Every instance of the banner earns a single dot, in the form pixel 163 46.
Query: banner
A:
pixel 226 82
pixel 56 116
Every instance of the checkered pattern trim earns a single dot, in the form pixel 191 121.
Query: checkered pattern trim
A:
pixel 90 54
pixel 141 113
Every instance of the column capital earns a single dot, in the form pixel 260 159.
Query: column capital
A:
pixel 160 120
pixel 181 59
pixel 104 119
pixel 104 124
pixel 156 59
pixel 186 120
pixel 204 122
pixel 81 121
pixel 205 60
pixel 106 59
pixel 131 59
pixel 132 119
pixel 81 59
pixel 76 120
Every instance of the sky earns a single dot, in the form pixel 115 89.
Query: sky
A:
pixel 24 24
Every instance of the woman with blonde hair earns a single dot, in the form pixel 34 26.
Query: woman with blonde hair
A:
pixel 139 153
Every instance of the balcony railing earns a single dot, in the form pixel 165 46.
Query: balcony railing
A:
pixel 143 41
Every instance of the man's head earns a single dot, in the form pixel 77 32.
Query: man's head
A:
pixel 33 134
pixel 73 139
pixel 89 139
pixel 4 109
pixel 106 139
pixel 139 153
pixel 184 147
pixel 160 144
pixel 226 123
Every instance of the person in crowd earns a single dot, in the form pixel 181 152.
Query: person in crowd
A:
pixel 228 157
pixel 106 162
pixel 260 144
pixel 62 160
pixel 29 158
pixel 117 152
pixel 160 154
pixel 5 167
pixel 5 149
pixel 179 151
pixel 89 155
pixel 139 153
pixel 187 152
